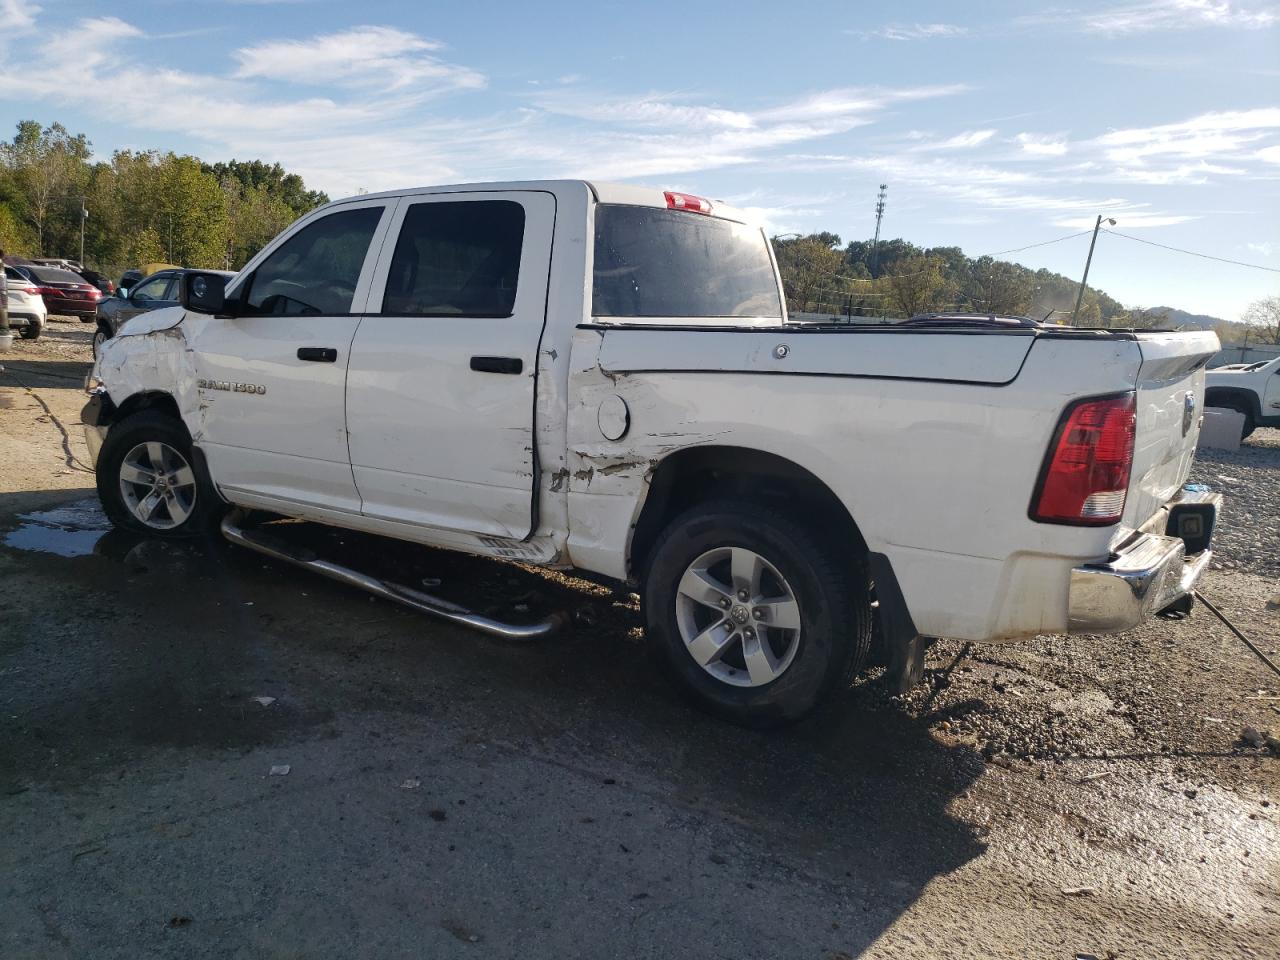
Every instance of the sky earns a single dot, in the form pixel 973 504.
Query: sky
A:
pixel 995 125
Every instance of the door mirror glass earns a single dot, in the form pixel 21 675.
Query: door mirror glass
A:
pixel 204 292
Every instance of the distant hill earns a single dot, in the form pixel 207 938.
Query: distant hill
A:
pixel 1180 318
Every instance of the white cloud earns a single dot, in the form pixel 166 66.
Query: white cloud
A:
pixel 378 57
pixel 1128 221
pixel 1207 135
pixel 912 31
pixel 1178 15
pixel 17 17
pixel 1266 248
pixel 961 141
pixel 1042 144
pixel 1269 154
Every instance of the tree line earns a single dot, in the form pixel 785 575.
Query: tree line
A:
pixel 896 278
pixel 142 206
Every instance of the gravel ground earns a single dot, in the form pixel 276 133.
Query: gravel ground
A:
pixel 1248 535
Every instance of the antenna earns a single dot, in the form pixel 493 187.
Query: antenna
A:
pixel 875 244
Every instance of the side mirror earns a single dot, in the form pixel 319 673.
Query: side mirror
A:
pixel 203 292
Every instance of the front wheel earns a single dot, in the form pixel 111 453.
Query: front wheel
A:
pixel 758 617
pixel 148 480
pixel 99 338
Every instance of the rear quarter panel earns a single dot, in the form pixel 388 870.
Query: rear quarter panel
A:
pixel 937 472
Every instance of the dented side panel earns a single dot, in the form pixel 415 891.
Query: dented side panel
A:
pixel 937 475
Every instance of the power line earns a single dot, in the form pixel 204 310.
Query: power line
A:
pixel 1193 253
pixel 1031 246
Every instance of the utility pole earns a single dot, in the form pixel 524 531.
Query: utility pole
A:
pixel 875 244
pixel 84 215
pixel 1088 260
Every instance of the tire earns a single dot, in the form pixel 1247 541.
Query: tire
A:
pixel 32 330
pixel 84 319
pixel 100 336
pixel 832 607
pixel 1248 426
pixel 186 505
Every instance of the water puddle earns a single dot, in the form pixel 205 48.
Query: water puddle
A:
pixel 71 530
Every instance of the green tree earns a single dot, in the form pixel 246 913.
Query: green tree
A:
pixel 1264 317
pixel 49 166
pixel 914 285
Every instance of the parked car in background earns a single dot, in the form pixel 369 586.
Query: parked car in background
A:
pixel 27 312
pixel 99 280
pixel 64 292
pixel 128 280
pixel 62 263
pixel 1252 389
pixel 156 291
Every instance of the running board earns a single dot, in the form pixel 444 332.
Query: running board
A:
pixel 278 549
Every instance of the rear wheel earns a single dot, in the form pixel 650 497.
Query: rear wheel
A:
pixel 149 481
pixel 757 617
pixel 32 330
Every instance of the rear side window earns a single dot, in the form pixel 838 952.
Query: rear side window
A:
pixel 314 272
pixel 669 263
pixel 456 259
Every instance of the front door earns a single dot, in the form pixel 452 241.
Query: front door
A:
pixel 440 392
pixel 151 294
pixel 272 377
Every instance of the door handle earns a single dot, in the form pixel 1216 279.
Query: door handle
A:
pixel 318 354
pixel 497 364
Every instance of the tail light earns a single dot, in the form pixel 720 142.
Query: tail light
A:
pixel 31 291
pixel 687 201
pixel 1085 477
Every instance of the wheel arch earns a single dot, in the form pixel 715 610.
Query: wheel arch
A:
pixel 692 475
pixel 1234 398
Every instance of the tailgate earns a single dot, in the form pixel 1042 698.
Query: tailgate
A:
pixel 1170 400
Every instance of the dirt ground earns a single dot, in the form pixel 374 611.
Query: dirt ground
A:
pixel 448 795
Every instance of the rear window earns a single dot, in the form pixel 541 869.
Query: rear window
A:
pixel 668 263
pixel 54 275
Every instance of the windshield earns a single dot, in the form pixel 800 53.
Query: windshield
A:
pixel 669 263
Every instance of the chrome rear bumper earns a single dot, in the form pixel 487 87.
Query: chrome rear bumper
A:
pixel 1148 574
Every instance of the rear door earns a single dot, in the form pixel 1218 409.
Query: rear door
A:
pixel 272 379
pixel 440 394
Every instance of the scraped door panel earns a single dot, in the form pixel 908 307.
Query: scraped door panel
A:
pixel 440 390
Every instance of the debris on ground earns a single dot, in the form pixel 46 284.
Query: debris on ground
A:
pixel 280 770
pixel 1253 737
pixel 1077 891
pixel 263 701
pixel 410 783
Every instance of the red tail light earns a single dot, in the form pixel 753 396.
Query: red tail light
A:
pixel 687 201
pixel 1086 476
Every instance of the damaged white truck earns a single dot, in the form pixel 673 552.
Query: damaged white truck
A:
pixel 605 378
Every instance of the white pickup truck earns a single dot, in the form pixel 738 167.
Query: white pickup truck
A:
pixel 1252 389
pixel 604 377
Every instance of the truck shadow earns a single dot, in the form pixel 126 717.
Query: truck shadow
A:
pixel 173 641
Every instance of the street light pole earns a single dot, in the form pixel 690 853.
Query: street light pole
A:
pixel 1088 260
pixel 84 215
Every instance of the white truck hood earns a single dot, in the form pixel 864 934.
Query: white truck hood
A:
pixel 165 318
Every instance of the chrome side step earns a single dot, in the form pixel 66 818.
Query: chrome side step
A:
pixel 278 549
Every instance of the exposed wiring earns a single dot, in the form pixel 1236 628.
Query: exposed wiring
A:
pixel 1193 253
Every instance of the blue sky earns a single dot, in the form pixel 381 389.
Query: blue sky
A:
pixel 996 125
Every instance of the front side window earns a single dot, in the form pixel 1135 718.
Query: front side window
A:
pixel 157 288
pixel 651 262
pixel 456 259
pixel 314 272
